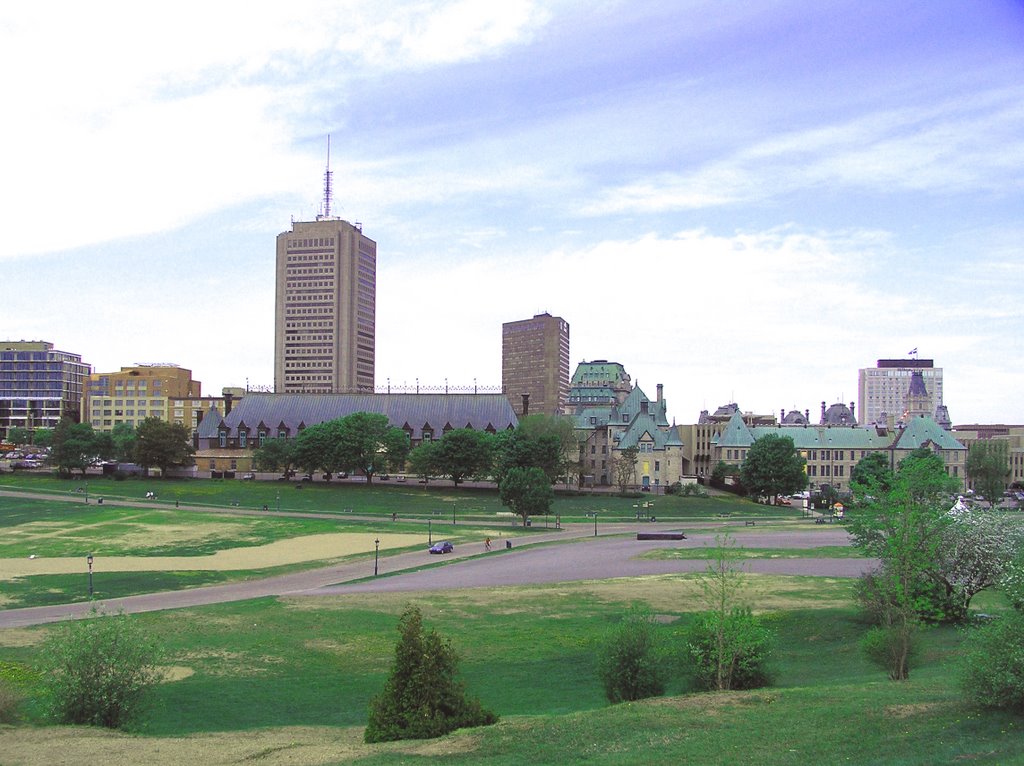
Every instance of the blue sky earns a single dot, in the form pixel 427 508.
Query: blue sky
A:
pixel 743 201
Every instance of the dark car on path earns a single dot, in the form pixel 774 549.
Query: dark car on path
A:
pixel 442 547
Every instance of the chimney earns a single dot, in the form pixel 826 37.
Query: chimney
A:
pixel 661 392
pixel 227 403
pixel 823 412
pixel 782 417
pixel 526 405
pixel 807 415
pixel 853 411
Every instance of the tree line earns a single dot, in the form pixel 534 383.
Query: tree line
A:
pixel 525 463
pixel 72 446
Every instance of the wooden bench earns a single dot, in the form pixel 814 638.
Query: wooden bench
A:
pixel 749 523
pixel 660 536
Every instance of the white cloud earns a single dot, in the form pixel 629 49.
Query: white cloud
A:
pixel 966 144
pixel 153 116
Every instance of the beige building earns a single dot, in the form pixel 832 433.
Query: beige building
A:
pixel 1013 435
pixel 535 364
pixel 129 396
pixel 325 311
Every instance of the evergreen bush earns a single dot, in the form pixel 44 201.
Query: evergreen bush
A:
pixel 422 698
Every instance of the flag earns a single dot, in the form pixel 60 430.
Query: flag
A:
pixel 912 351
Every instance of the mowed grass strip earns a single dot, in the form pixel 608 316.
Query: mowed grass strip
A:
pixel 742 552
pixel 245 671
pixel 439 499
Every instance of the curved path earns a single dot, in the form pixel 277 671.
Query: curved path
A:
pixel 578 557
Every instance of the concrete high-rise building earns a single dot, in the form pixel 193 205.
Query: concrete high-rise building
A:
pixel 535 363
pixel 39 386
pixel 325 318
pixel 886 388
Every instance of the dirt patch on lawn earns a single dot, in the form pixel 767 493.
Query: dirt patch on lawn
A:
pixel 296 550
pixel 293 745
pixel 15 637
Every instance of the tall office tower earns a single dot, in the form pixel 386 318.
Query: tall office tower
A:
pixel 325 317
pixel 885 388
pixel 535 362
pixel 38 386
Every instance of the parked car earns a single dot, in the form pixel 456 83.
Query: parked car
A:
pixel 442 547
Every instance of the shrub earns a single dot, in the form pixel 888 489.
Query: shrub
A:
pixel 421 698
pixel 992 663
pixel 99 671
pixel 893 648
pixel 729 651
pixel 929 598
pixel 630 666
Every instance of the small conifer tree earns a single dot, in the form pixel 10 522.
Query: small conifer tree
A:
pixel 422 698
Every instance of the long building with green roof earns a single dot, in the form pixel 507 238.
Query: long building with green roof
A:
pixel 832 451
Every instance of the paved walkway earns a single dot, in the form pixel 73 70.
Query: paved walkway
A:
pixel 580 556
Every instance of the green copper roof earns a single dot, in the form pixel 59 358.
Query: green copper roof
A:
pixel 919 431
pixel 736 433
pixel 598 371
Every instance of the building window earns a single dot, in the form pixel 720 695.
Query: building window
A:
pixel 243 439
pixel 223 438
pixel 262 437
pixel 657 465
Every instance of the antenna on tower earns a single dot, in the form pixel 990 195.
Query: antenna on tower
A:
pixel 328 177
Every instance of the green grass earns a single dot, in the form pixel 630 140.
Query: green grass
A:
pixel 529 654
pixel 435 500
pixel 710 552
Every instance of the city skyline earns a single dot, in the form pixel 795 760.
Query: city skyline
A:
pixel 745 204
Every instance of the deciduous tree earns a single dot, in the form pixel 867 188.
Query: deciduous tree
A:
pixel 275 455
pixel 463 453
pixel 624 467
pixel 988 467
pixel 773 467
pixel 162 444
pixel 75 446
pixel 527 491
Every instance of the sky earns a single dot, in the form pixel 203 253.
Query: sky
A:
pixel 746 202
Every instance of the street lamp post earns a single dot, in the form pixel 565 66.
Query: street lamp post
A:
pixel 376 555
pixel 279 501
pixel 89 561
pixel 595 523
pixel 430 539
pixel 453 514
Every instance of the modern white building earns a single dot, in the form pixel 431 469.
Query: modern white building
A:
pixel 883 390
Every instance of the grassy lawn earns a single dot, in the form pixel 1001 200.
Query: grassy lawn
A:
pixel 438 499
pixel 529 653
pixel 708 552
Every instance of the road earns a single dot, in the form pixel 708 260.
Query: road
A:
pixel 578 556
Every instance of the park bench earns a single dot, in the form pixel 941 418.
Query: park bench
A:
pixel 749 523
pixel 660 536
